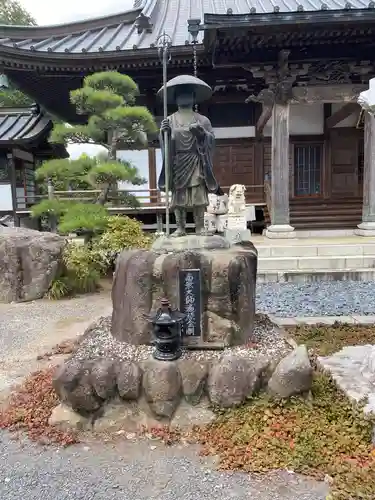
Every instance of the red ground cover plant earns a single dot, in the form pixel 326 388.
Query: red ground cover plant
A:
pixel 30 407
pixel 323 436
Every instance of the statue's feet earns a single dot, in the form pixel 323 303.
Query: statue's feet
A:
pixel 201 232
pixel 179 232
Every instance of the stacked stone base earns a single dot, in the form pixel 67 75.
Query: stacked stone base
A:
pixel 105 394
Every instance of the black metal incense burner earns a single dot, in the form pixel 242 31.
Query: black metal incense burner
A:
pixel 167 331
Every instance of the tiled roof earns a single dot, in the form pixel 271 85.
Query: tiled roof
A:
pixel 139 28
pixel 21 125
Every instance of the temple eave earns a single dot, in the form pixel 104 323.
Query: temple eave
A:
pixel 12 57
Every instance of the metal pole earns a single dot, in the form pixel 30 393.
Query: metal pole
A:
pixel 166 137
pixel 164 42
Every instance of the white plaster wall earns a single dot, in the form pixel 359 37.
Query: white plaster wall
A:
pixel 350 121
pixel 304 119
pixel 140 160
pixel 234 132
pixel 5 198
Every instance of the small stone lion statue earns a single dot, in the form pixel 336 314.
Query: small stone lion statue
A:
pixel 237 202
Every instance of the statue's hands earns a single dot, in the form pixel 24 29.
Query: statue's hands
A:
pixel 165 125
pixel 197 130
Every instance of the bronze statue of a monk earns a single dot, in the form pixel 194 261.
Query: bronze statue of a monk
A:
pixel 191 145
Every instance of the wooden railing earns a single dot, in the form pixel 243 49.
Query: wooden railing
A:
pixel 148 199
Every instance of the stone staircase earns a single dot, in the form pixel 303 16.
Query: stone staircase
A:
pixel 305 259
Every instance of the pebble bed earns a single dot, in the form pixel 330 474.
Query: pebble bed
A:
pixel 98 342
pixel 324 298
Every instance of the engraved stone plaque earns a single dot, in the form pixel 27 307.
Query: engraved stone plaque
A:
pixel 190 299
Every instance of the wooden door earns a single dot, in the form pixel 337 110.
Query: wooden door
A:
pixel 344 163
pixel 235 163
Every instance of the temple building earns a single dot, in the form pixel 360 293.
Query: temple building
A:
pixel 23 146
pixel 286 77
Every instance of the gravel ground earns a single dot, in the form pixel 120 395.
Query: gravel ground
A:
pixel 32 328
pixel 98 342
pixel 325 298
pixel 141 470
pixel 107 471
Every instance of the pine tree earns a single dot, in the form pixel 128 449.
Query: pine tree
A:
pixel 114 121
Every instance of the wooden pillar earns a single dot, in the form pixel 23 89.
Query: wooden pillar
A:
pixel 367 226
pixel 152 174
pixel 280 224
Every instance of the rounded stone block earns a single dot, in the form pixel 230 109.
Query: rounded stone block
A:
pixel 232 381
pixel 190 242
pixel 228 281
pixel 128 378
pixel 151 392
pixel 162 386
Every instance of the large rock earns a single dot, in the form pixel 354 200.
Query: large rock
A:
pixel 194 375
pixel 73 384
pixel 132 296
pixel 129 378
pixel 353 370
pixel 228 280
pixel 162 385
pixel 232 380
pixel 103 378
pixel 293 375
pixel 29 261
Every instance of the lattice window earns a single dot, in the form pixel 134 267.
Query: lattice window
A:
pixel 308 160
pixel 360 161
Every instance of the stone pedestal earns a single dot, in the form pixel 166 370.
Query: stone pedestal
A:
pixel 215 223
pixel 221 223
pixel 227 298
pixel 110 395
pixel 283 231
pixel 237 231
pixel 367 226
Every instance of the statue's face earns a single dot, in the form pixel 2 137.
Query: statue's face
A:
pixel 185 99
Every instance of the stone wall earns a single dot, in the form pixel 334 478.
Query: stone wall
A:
pixel 132 394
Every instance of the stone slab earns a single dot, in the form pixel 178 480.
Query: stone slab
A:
pixel 313 263
pixel 365 232
pixel 325 320
pixel 292 251
pixel 286 322
pixel 353 374
pixel 280 235
pixel 364 320
pixel 310 276
pixel 237 235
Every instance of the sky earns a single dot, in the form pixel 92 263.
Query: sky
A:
pixel 52 12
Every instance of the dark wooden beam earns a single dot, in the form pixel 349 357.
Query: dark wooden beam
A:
pixel 327 112
pixel 152 174
pixel 340 115
pixel 262 121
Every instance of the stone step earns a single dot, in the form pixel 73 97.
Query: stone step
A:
pixel 309 276
pixel 313 263
pixel 316 250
